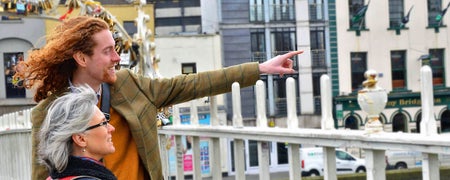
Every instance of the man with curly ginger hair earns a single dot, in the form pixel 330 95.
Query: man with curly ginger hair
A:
pixel 81 51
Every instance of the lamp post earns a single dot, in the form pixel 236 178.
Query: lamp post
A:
pixel 372 99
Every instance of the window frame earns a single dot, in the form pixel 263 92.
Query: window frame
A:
pixel 357 75
pixel 398 70
pixel 433 9
pixel 193 66
pixel 396 13
pixel 437 67
pixel 352 9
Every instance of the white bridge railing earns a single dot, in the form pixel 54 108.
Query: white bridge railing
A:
pixel 15 140
pixel 374 144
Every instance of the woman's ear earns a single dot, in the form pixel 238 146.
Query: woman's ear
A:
pixel 80 58
pixel 79 139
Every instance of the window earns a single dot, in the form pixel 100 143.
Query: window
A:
pixel 188 68
pixel 316 83
pixel 316 10
pixel 395 13
pixel 284 40
pixel 172 4
pixel 282 10
pixel 434 9
pixel 177 21
pixel 357 14
pixel 398 59
pixel 10 62
pixel 256 10
pixel 317 35
pixel 279 10
pixel 437 66
pixel 258 45
pixel 130 27
pixel 358 62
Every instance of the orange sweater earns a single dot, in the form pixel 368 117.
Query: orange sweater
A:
pixel 125 162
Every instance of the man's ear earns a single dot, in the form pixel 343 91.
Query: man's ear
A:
pixel 79 139
pixel 80 58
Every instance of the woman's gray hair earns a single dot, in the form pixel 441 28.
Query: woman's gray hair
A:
pixel 67 115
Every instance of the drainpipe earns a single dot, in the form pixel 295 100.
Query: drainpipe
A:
pixel 268 56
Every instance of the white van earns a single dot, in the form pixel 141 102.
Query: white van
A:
pixel 410 159
pixel 312 162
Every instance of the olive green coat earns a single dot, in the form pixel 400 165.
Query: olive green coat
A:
pixel 138 98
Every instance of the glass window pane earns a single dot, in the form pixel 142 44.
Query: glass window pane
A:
pixel 358 67
pixel 434 9
pixel 256 10
pixel 356 6
pixel 10 62
pixel 395 13
pixel 281 10
pixel 437 66
pixel 398 60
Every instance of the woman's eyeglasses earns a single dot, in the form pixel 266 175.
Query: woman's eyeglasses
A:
pixel 103 123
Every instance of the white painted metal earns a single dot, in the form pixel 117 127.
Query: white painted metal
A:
pixel 329 158
pixel 375 164
pixel 326 103
pixel 330 138
pixel 197 171
pixel 261 118
pixel 176 115
pixel 430 167
pixel 216 163
pixel 13 128
pixel 239 158
pixel 428 123
pixel 295 172
pixel 194 113
pixel 236 98
pixel 327 123
pixel 164 156
pixel 179 155
pixel 197 174
pixel 261 121
pixel 430 162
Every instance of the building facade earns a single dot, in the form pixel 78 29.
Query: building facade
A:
pixel 395 38
pixel 20 34
pixel 254 31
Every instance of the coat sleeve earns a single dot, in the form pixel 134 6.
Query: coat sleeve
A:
pixel 38 171
pixel 168 91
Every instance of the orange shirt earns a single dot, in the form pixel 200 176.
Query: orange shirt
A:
pixel 125 162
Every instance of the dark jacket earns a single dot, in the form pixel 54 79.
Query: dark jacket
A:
pixel 85 168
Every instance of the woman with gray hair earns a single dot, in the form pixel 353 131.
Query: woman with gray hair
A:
pixel 75 136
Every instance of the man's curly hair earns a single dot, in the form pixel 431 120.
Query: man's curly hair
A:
pixel 49 68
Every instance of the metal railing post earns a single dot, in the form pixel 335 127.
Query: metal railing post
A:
pixel 430 165
pixel 295 170
pixel 239 158
pixel 261 121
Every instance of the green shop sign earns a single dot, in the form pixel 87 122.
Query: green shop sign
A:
pixel 351 103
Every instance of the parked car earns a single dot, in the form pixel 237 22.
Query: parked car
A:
pixel 410 159
pixel 312 162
